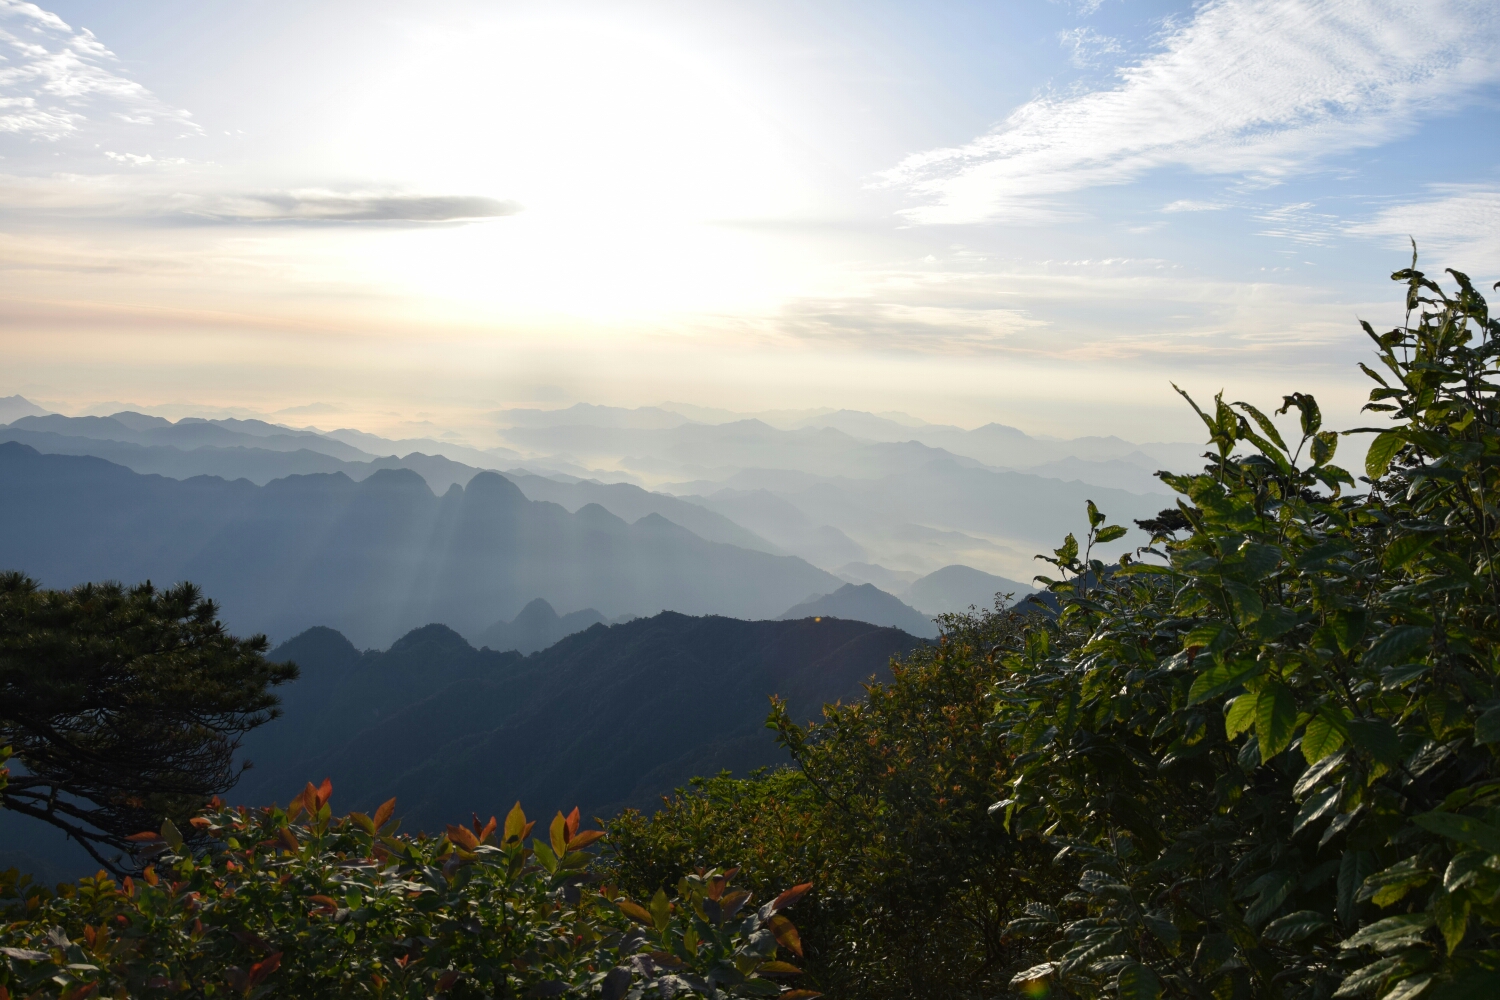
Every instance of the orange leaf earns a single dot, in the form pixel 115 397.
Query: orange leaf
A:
pixel 635 911
pixel 324 792
pixel 85 990
pixel 262 969
pixel 515 826
pixel 383 814
pixel 789 897
pixel 786 934
pixel 4 993
pixel 146 836
pixel 584 839
pixel 288 839
pixel 488 831
pixel 201 822
pixel 463 837
pixel 573 823
pixel 799 995
pixel 779 969
pixel 150 875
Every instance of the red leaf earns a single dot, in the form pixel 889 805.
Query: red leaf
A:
pixel 584 839
pixel 324 792
pixel 786 934
pixel 488 831
pixel 573 823
pixel 262 969
pixel 383 814
pixel 462 837
pixel 789 897
pixel 146 837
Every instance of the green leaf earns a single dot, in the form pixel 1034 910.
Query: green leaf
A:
pixel 1382 450
pixel 1487 728
pixel 1391 885
pixel 1241 715
pixel 1407 547
pixel 1464 829
pixel 1137 982
pixel 1268 428
pixel 1246 601
pixel 1295 926
pixel 1354 867
pixel 1275 719
pixel 1095 518
pixel 1377 738
pixel 1110 533
pixel 1324 444
pixel 1275 622
pixel 1391 933
pixel 1307 406
pixel 1452 915
pixel 1325 734
pixel 1220 679
pixel 1348 627
pixel 544 856
pixel 171 834
pixel 1409 987
pixel 661 909
pixel 1398 645
pixel 1368 978
pixel 1315 808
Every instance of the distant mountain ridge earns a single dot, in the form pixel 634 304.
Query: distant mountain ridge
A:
pixel 371 558
pixel 609 717
pixel 537 627
pixel 864 602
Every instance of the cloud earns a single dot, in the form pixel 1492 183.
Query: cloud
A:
pixel 1258 88
pixel 1459 225
pixel 1089 47
pixel 1299 224
pixel 330 206
pixel 1188 205
pixel 55 81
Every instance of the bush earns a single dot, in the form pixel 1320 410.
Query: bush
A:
pixel 298 903
pixel 1269 758
pixel 886 812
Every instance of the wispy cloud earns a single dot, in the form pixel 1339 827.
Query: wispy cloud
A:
pixel 1459 224
pixel 1258 88
pixel 1088 47
pixel 55 80
pixel 1298 223
pixel 332 207
pixel 1189 205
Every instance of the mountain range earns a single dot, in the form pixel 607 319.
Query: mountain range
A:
pixel 373 558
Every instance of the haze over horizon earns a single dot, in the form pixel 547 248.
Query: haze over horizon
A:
pixel 403 219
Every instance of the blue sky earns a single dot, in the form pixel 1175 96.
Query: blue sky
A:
pixel 1040 213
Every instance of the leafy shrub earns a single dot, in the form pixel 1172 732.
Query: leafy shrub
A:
pixel 298 903
pixel 1269 760
pixel 886 812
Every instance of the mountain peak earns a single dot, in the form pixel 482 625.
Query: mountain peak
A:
pixel 435 634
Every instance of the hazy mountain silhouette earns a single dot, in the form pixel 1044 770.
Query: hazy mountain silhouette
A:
pixel 371 558
pixel 955 588
pixel 864 602
pixel 537 627
pixel 15 407
pixel 608 717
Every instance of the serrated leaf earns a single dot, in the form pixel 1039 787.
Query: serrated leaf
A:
pixel 1275 719
pixel 1369 977
pixel 1324 735
pixel 1407 547
pixel 1220 679
pixel 1241 715
pixel 1377 738
pixel 1110 533
pixel 1295 926
pixel 1317 807
pixel 1391 933
pixel 1398 645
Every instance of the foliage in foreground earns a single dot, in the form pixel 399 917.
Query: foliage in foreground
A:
pixel 1259 760
pixel 123 706
pixel 887 815
pixel 298 903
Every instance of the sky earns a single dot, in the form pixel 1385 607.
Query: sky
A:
pixel 391 215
